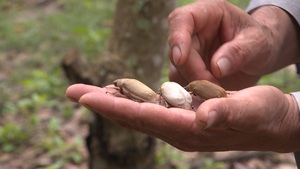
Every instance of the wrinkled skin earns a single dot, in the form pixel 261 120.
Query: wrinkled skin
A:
pixel 243 121
pixel 219 42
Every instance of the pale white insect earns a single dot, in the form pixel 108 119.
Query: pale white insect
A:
pixel 176 95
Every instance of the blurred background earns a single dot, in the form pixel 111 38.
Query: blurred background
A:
pixel 40 128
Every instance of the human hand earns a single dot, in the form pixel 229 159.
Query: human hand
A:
pixel 219 42
pixel 257 118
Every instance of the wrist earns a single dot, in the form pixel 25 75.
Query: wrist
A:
pixel 293 119
pixel 283 34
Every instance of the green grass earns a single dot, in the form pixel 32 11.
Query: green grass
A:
pixel 33 42
pixel 285 79
pixel 241 3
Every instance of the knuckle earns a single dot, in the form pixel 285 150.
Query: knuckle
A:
pixel 179 35
pixel 240 53
pixel 176 12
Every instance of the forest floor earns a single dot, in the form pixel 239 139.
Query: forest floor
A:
pixel 39 127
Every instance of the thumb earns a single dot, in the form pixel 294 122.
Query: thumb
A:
pixel 236 55
pixel 214 113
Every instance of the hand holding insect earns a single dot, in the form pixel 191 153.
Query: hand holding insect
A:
pixel 242 121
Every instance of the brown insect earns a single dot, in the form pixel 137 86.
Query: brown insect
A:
pixel 136 90
pixel 205 89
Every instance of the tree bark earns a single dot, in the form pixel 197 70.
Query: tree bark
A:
pixel 137 49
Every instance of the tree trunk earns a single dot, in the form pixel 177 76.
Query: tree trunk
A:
pixel 136 48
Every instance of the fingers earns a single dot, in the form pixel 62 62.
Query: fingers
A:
pixel 180 36
pixel 234 55
pixel 247 110
pixel 183 23
pixel 149 118
pixel 74 92
pixel 210 114
pixel 239 110
pixel 240 113
pixel 194 68
pixel 228 59
pixel 193 29
pixel 204 38
pixel 175 76
pixel 203 17
pixel 169 124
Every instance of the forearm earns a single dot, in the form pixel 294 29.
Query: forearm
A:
pixel 284 32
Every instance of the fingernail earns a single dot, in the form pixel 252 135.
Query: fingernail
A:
pixel 176 54
pixel 224 66
pixel 212 117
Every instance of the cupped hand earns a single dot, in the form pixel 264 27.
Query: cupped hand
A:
pixel 219 42
pixel 243 121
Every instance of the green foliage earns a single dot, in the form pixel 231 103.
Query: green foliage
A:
pixel 167 155
pixel 59 148
pixel 57 165
pixel 83 24
pixel 184 2
pixel 210 164
pixel 42 83
pixel 241 3
pixel 286 80
pixel 11 136
pixel 33 42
